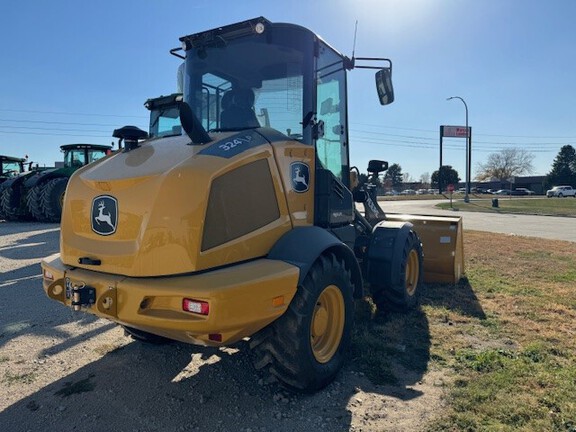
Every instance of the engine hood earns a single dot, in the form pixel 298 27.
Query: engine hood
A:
pixel 141 212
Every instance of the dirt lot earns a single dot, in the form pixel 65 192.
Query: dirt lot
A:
pixel 66 371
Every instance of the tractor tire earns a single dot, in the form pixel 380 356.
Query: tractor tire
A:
pixel 34 203
pixel 142 336
pixel 307 346
pixel 53 198
pixel 402 295
pixel 11 204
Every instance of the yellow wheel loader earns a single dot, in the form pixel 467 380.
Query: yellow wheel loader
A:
pixel 245 225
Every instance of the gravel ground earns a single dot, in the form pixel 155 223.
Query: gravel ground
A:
pixel 67 371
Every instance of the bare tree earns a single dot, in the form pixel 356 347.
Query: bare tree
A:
pixel 506 164
pixel 407 178
pixel 425 179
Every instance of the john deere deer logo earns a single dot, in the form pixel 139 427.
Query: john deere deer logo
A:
pixel 300 176
pixel 104 215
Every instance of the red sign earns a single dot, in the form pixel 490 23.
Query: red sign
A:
pixel 455 131
pixel 450 188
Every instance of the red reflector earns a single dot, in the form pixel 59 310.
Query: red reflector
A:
pixel 195 306
pixel 216 337
pixel 48 275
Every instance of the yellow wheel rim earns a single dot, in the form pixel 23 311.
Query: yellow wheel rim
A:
pixel 62 200
pixel 412 272
pixel 327 324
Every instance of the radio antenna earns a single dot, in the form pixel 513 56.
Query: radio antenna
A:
pixel 354 46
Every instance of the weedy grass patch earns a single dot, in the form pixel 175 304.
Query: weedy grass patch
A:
pixel 505 335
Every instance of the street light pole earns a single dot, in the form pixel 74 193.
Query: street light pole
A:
pixel 466 197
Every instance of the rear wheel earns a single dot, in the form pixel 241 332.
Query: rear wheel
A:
pixel 142 336
pixel 53 198
pixel 306 347
pixel 402 294
pixel 34 203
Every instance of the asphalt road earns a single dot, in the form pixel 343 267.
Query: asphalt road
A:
pixel 550 227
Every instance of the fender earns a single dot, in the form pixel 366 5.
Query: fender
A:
pixel 33 180
pixel 385 250
pixel 14 181
pixel 303 245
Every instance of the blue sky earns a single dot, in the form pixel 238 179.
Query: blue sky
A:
pixel 73 71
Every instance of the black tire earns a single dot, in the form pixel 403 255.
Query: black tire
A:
pixel 12 205
pixel 402 295
pixel 34 203
pixel 307 346
pixel 53 198
pixel 142 336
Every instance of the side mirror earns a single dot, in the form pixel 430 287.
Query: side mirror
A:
pixel 377 166
pixel 384 86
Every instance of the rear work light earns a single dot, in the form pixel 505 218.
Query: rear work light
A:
pixel 195 306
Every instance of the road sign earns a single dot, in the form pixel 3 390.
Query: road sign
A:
pixel 450 188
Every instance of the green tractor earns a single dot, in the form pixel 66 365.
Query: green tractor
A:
pixel 38 193
pixel 12 171
pixel 43 192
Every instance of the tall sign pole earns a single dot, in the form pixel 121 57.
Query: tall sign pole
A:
pixel 457 132
pixel 440 168
pixel 468 150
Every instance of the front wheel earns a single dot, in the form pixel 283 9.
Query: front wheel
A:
pixel 53 198
pixel 34 203
pixel 13 209
pixel 402 294
pixel 306 347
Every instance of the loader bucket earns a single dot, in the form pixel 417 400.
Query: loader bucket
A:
pixel 442 245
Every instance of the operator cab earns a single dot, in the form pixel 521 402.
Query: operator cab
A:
pixel 11 166
pixel 164 115
pixel 275 75
pixel 78 155
pixel 258 74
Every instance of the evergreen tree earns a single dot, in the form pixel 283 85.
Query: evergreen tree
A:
pixel 394 175
pixel 449 176
pixel 563 170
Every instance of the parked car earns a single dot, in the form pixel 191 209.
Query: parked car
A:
pixel 561 191
pixel 421 191
pixel 408 192
pixel 503 192
pixel 522 191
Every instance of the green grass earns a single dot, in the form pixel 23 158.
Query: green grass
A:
pixel 504 338
pixel 535 206
pixel 15 379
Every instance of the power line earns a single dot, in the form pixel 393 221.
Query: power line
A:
pixel 55 134
pixel 52 129
pixel 67 113
pixel 59 122
pixel 436 132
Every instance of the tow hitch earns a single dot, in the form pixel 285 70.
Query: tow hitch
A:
pixel 80 294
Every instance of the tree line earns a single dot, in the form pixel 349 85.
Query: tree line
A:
pixel 501 166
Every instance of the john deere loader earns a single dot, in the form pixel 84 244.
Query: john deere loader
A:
pixel 240 228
